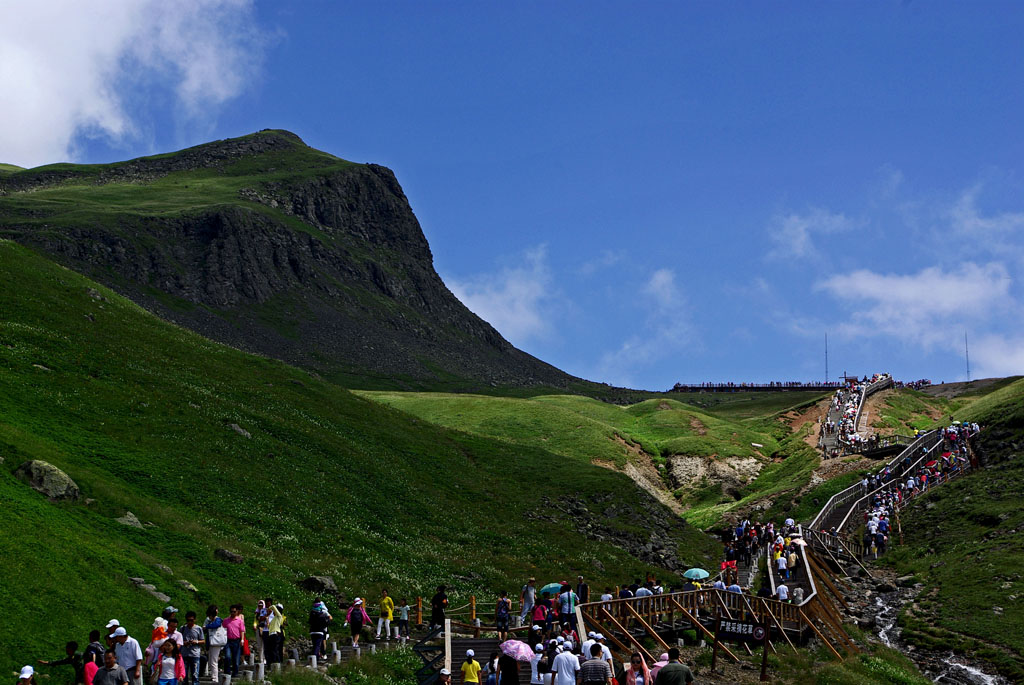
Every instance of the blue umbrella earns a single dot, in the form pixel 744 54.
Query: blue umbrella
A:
pixel 696 574
pixel 551 588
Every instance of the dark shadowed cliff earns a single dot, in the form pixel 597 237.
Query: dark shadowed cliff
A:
pixel 271 246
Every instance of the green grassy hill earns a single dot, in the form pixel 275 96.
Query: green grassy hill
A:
pixel 140 414
pixel 964 543
pixel 657 434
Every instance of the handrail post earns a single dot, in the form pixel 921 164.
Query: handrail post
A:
pixel 419 611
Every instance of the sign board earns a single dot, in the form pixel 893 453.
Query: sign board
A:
pixel 741 631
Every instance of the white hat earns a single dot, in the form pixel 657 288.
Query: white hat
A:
pixel 598 636
pixel 120 631
pixel 567 645
pixel 470 652
pixel 27 672
pixel 445 671
pixel 591 634
pixel 537 627
pixel 538 648
pixel 560 639
pixel 160 622
pixel 358 601
pixel 113 623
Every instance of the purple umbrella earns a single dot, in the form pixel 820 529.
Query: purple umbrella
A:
pixel 520 651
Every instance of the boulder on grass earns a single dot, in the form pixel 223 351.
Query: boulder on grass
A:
pixel 48 479
pixel 320 585
pixel 228 555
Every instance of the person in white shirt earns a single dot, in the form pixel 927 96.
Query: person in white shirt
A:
pixel 782 592
pixel 606 653
pixel 129 655
pixel 585 648
pixel 538 654
pixel 565 667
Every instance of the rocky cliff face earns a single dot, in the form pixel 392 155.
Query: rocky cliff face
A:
pixel 281 250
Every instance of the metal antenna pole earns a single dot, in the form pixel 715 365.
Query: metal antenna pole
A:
pixel 826 357
pixel 967 356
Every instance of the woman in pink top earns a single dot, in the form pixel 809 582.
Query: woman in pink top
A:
pixel 235 625
pixel 357 618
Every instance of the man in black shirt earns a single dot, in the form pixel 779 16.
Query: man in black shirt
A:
pixel 73 659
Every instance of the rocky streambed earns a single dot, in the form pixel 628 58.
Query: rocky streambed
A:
pixel 876 605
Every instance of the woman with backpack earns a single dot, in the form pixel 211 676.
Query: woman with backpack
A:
pixel 216 638
pixel 356 617
pixel 502 611
pixel 319 620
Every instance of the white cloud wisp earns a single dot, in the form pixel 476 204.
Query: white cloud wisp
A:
pixel 517 300
pixel 71 69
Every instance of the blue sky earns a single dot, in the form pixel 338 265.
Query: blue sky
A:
pixel 638 193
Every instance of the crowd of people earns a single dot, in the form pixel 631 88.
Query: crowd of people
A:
pixel 742 544
pixel 177 654
pixel 915 385
pixel 686 387
pixel 562 660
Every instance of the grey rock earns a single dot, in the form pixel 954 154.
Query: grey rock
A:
pixel 137 581
pixel 228 555
pixel 241 431
pixel 188 586
pixel 905 581
pixel 148 587
pixel 159 595
pixel 129 519
pixel 164 569
pixel 48 479
pixel 885 587
pixel 322 584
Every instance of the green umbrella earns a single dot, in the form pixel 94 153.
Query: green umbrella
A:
pixel 696 574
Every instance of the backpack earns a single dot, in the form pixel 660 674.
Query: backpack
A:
pixel 503 607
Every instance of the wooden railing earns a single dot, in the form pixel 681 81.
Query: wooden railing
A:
pixel 844 497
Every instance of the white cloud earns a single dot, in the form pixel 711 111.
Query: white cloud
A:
pixel 606 259
pixel 519 301
pixel 997 355
pixel 71 69
pixel 968 220
pixel 793 234
pixel 929 307
pixel 664 332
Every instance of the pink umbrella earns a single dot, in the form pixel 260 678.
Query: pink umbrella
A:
pixel 520 651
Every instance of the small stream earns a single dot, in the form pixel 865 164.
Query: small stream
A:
pixel 949 669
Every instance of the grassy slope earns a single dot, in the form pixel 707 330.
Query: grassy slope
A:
pixel 584 430
pixel 138 412
pixel 964 543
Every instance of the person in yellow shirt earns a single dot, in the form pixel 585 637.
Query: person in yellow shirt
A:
pixel 275 639
pixel 387 612
pixel 470 669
